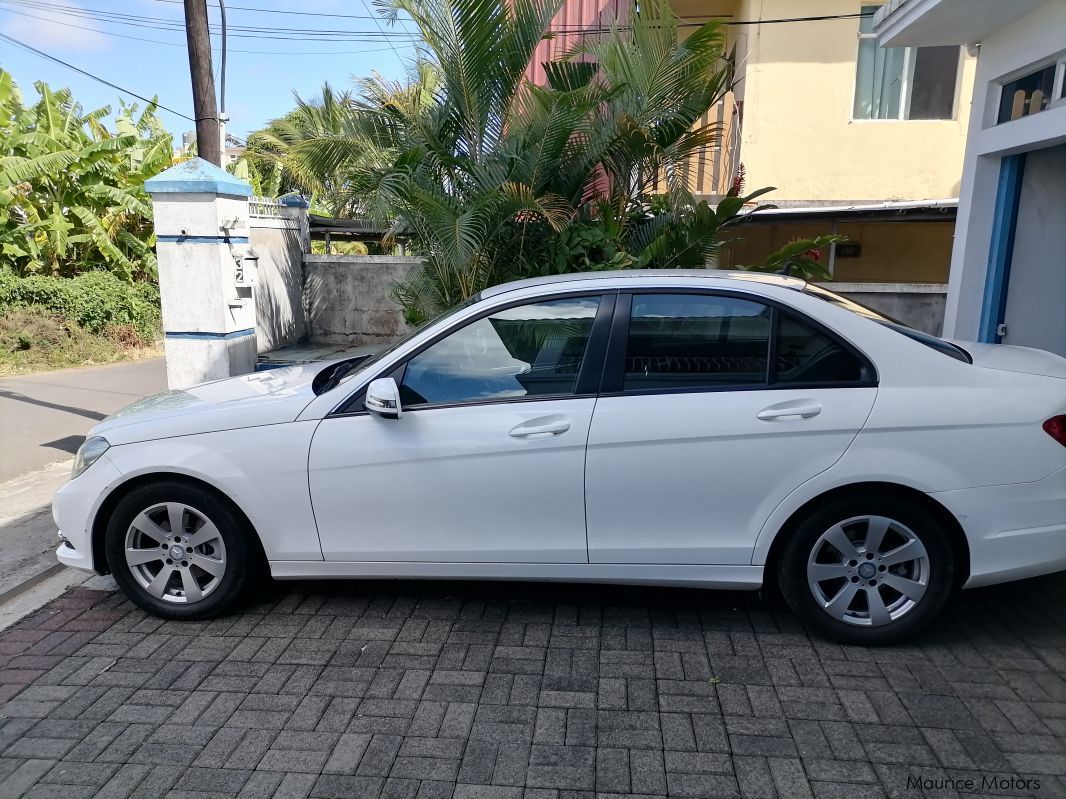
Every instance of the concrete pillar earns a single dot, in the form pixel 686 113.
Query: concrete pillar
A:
pixel 201 226
pixel 296 207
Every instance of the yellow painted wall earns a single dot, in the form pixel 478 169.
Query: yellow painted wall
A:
pixel 797 85
pixel 904 252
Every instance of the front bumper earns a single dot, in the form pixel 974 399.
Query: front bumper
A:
pixel 1014 531
pixel 74 508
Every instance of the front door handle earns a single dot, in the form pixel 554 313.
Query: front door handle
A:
pixel 790 410
pixel 541 428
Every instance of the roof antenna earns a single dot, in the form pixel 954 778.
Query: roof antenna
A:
pixel 787 268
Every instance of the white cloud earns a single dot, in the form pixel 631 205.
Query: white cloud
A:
pixel 53 29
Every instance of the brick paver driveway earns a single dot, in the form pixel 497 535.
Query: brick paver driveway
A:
pixel 496 690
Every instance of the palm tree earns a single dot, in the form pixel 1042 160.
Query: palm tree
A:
pixel 493 178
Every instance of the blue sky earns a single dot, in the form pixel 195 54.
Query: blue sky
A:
pixel 259 85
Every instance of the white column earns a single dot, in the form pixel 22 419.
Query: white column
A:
pixel 201 226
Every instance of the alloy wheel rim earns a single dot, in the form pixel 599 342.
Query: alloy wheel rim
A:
pixel 175 553
pixel 868 571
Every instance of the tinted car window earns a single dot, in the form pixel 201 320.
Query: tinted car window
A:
pixel 808 356
pixel 695 341
pixel 929 340
pixel 530 350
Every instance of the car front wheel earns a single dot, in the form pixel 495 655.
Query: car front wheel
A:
pixel 178 551
pixel 871 570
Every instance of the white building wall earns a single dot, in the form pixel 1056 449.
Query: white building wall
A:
pixel 1037 291
pixel 1004 53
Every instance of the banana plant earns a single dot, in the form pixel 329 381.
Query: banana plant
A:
pixel 72 193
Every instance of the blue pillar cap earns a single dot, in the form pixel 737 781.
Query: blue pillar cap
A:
pixel 294 200
pixel 197 175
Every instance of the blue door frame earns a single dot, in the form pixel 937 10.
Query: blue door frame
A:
pixel 1001 247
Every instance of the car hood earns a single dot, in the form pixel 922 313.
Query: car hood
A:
pixel 274 396
pixel 1009 358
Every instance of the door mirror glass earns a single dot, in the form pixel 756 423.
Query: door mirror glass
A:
pixel 383 398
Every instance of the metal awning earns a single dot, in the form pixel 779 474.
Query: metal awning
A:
pixel 327 227
pixel 897 211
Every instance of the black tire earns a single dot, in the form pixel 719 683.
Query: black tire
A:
pixel 241 557
pixel 938 570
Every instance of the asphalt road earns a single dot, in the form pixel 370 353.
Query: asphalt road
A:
pixel 44 417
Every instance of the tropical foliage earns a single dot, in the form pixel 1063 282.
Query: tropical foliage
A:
pixel 493 178
pixel 96 301
pixel 71 190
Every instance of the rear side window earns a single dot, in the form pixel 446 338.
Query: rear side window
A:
pixel 694 341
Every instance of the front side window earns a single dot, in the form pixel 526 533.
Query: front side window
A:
pixel 526 351
pixel 688 341
pixel 903 82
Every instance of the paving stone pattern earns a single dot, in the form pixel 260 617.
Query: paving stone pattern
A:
pixel 473 690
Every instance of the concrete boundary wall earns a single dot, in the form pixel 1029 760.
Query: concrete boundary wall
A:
pixel 348 298
pixel 279 236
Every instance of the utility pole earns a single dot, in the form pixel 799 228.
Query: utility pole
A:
pixel 208 140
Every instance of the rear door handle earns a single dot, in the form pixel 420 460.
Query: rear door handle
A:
pixel 790 410
pixel 540 428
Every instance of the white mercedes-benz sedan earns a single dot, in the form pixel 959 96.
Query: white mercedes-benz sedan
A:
pixel 725 430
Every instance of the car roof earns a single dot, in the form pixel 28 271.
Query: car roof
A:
pixel 649 277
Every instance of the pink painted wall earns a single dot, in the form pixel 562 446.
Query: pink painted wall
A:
pixel 573 17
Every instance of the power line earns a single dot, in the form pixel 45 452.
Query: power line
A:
pixel 181 45
pixel 293 13
pixel 97 78
pixel 160 23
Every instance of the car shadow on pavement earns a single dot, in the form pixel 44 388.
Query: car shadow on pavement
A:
pixel 1034 608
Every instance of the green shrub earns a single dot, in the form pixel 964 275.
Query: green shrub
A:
pixel 93 300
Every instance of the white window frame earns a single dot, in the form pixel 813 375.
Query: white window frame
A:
pixel 909 54
pixel 1058 84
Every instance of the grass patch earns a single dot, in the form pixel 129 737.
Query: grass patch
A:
pixel 33 339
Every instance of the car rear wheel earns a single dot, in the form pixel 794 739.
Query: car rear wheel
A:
pixel 178 551
pixel 869 569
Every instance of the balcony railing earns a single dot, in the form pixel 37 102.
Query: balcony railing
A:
pixel 710 172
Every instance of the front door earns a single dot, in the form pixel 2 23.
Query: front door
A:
pixel 486 463
pixel 715 408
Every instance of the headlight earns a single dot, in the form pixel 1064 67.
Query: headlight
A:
pixel 88 454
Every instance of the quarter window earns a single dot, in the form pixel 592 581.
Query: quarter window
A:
pixel 806 356
pixel 531 350
pixel 695 341
pixel 903 82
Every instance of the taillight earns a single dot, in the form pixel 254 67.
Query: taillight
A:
pixel 1056 428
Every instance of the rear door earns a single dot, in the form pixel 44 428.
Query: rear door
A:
pixel 715 406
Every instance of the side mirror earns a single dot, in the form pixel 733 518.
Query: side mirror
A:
pixel 383 398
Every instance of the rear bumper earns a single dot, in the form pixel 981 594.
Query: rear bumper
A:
pixel 1014 531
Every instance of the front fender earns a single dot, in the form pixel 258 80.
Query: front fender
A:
pixel 261 469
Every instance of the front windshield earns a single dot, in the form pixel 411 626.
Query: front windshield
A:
pixel 379 356
pixel 928 339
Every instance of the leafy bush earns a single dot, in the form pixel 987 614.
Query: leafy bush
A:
pixel 94 301
pixel 33 339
